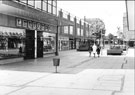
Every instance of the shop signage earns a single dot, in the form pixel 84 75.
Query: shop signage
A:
pixel 38 26
pixel 19 22
pixel 25 23
pixel 34 25
pixel 42 27
pixel 30 24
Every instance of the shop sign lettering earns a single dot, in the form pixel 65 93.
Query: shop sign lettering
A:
pixel 25 23
pixel 19 22
pixel 30 25
pixel 42 27
pixel 38 26
pixel 34 25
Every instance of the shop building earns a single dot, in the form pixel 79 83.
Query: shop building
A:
pixel 67 31
pixel 35 28
pixel 28 29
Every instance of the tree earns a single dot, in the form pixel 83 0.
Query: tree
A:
pixel 98 27
pixel 110 37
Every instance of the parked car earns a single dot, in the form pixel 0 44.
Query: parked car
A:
pixel 83 48
pixel 115 50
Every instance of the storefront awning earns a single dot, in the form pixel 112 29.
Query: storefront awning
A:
pixel 11 32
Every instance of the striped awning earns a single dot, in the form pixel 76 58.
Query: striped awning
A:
pixel 11 32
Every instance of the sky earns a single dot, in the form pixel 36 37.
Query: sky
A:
pixel 110 12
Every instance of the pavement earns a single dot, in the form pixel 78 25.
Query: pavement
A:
pixel 21 79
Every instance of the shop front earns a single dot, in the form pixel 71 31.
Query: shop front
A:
pixel 27 39
pixel 12 42
pixel 40 38
pixel 72 43
pixel 63 43
pixel 49 43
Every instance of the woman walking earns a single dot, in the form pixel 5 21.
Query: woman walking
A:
pixel 94 50
pixel 90 50
pixel 98 50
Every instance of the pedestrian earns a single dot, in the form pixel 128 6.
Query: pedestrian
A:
pixel 90 50
pixel 98 50
pixel 94 50
pixel 20 50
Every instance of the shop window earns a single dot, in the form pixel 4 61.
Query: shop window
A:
pixel 12 43
pixel 49 43
pixel 64 44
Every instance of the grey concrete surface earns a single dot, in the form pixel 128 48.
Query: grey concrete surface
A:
pixel 78 74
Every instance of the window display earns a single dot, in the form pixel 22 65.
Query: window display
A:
pixel 49 43
pixel 11 42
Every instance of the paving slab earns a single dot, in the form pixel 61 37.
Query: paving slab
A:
pixel 111 77
pixel 6 89
pixel 87 82
pixel 58 91
pixel 109 82
pixel 19 78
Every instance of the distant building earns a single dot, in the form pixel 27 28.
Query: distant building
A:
pixel 128 34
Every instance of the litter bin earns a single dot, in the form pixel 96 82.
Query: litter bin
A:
pixel 56 61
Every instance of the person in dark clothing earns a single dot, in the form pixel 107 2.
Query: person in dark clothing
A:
pixel 20 50
pixel 90 50
pixel 98 50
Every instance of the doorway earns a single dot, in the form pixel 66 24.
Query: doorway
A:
pixel 39 44
pixel 30 44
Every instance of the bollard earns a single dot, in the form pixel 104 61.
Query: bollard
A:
pixel 56 62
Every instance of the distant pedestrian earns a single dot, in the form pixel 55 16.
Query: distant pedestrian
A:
pixel 94 50
pixel 20 50
pixel 98 50
pixel 90 50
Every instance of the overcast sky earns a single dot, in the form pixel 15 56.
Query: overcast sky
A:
pixel 111 12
